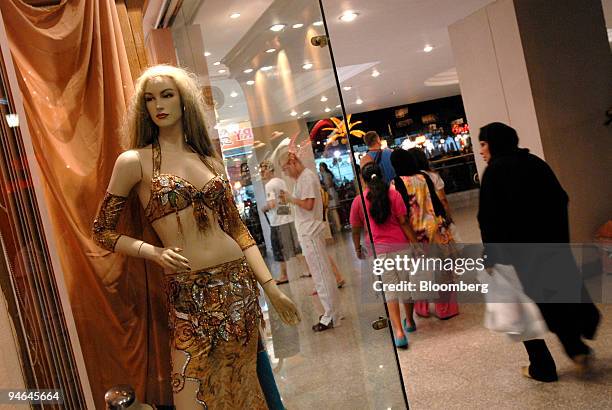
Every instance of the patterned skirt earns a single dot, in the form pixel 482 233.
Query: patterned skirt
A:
pixel 214 316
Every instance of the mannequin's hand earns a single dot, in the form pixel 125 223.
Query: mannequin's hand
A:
pixel 284 306
pixel 169 258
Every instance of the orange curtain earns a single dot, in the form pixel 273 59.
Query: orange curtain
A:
pixel 75 79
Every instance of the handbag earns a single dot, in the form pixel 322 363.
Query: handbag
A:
pixel 508 309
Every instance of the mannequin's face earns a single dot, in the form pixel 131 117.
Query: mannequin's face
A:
pixel 163 101
pixel 484 151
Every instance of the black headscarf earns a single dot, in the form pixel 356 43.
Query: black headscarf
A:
pixel 502 139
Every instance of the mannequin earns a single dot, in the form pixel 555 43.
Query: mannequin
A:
pixel 210 259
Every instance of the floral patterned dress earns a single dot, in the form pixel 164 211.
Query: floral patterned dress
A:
pixel 430 229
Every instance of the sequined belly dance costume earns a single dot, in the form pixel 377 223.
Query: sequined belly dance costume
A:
pixel 213 313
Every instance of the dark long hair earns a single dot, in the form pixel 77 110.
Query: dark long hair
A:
pixel 421 158
pixel 407 164
pixel 327 170
pixel 378 193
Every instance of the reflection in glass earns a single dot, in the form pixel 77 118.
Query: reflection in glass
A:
pixel 264 103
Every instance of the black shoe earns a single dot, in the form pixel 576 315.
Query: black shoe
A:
pixel 546 378
pixel 320 327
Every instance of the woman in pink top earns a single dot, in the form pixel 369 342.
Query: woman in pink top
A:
pixel 390 233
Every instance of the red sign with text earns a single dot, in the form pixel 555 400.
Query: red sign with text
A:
pixel 235 136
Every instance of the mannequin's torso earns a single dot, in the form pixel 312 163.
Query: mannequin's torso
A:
pixel 202 249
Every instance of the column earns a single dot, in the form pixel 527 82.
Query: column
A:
pixel 544 68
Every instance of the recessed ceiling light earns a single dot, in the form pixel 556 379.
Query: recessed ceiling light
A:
pixel 234 15
pixel 233 94
pixel 222 71
pixel 248 70
pixel 317 23
pixel 428 48
pixel 306 113
pixel 327 109
pixel 207 54
pixel 347 88
pixel 297 25
pixel 217 63
pixel 270 50
pixel 230 106
pixel 323 98
pixel 266 68
pixel 293 113
pixel 277 27
pixel 250 82
pixel 307 66
pixel 375 73
pixel 349 16
pixel 358 101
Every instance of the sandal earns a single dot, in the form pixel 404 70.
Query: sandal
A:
pixel 320 327
pixel 401 343
pixel 282 282
pixel 408 329
pixel 526 373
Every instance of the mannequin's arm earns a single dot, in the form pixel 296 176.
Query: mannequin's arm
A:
pixel 126 174
pixel 235 227
pixel 239 232
pixel 282 304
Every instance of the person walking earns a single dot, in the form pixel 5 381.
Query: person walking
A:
pixel 391 234
pixel 283 236
pixel 427 219
pixel 306 197
pixel 522 202
pixel 379 155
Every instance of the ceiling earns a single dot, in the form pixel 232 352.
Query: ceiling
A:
pixel 387 36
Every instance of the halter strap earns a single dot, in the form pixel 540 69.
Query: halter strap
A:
pixel 156 149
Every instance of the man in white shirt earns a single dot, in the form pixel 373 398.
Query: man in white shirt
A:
pixel 285 243
pixel 310 228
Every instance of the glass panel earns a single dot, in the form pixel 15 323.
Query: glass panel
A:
pixel 271 85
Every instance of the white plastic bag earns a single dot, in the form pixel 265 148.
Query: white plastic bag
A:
pixel 508 309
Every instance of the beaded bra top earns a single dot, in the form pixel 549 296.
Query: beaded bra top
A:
pixel 171 194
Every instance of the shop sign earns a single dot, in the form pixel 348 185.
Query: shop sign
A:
pixel 235 136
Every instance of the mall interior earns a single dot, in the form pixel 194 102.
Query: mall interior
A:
pixel 314 76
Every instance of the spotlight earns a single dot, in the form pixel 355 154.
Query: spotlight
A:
pixel 349 16
pixel 277 27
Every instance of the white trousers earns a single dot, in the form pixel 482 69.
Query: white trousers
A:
pixel 315 252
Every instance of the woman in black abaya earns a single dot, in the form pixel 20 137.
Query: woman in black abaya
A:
pixel 523 221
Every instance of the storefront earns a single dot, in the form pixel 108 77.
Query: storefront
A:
pixel 281 85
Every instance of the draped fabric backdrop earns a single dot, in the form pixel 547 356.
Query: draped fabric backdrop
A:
pixel 75 80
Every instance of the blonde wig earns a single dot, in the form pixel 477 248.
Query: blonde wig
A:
pixel 140 128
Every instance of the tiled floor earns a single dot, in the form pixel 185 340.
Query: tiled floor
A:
pixel 450 364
